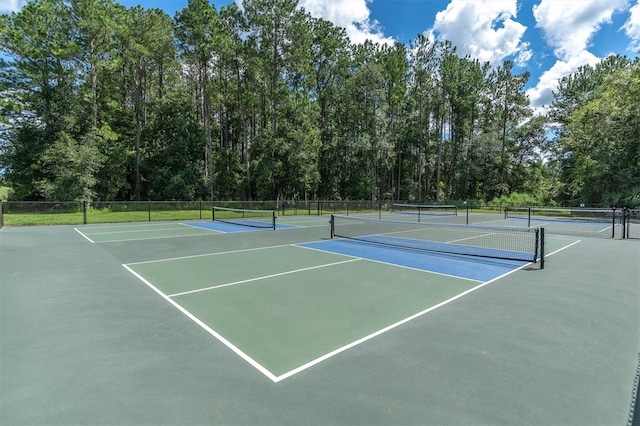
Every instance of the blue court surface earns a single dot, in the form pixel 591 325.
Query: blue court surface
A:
pixel 468 267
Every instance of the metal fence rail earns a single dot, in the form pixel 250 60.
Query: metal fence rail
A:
pixel 619 223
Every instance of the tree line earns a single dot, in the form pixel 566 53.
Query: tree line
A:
pixel 103 102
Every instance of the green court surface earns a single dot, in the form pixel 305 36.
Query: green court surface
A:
pixel 181 323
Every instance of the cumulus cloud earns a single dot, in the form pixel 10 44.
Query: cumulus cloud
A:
pixel 353 15
pixel 484 29
pixel 632 27
pixel 569 25
pixel 542 94
pixel 568 28
pixel 7 6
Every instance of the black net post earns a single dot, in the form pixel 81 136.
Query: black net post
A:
pixel 467 204
pixel 529 218
pixel 1 215
pixel 333 230
pixel 84 212
pixel 613 222
pixel 149 210
pixel 541 236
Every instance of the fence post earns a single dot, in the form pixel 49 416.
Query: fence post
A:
pixel 149 209
pixel 613 223
pixel 84 212
pixel 1 215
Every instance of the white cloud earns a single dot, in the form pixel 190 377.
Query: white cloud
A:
pixel 7 6
pixel 542 94
pixel 484 29
pixel 342 13
pixel 353 15
pixel 569 25
pixel 632 27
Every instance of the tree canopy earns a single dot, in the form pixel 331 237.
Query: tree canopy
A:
pixel 101 102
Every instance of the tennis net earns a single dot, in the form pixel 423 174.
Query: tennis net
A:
pixel 246 217
pixel 602 223
pixel 562 213
pixel 421 210
pixel 513 243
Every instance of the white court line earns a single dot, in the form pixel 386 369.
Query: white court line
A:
pixel 560 249
pixel 488 221
pixel 470 238
pixel 125 225
pixel 303 367
pixel 335 352
pixel 391 264
pixel 212 232
pixel 265 277
pixel 208 329
pixel 388 328
pixel 605 229
pixel 89 239
pixel 209 254
pixel 401 322
pixel 149 230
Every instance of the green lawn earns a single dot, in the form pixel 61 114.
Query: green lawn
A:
pixel 4 192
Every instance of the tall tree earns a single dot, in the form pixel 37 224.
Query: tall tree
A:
pixel 600 147
pixel 463 82
pixel 423 94
pixel 592 128
pixel 395 66
pixel 42 81
pixel 196 29
pixel 329 61
pixel 511 108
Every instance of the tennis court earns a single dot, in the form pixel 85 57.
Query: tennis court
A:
pixel 204 322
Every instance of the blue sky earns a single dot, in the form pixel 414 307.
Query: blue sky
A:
pixel 548 38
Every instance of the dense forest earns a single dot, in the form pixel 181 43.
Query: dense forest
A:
pixel 101 102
